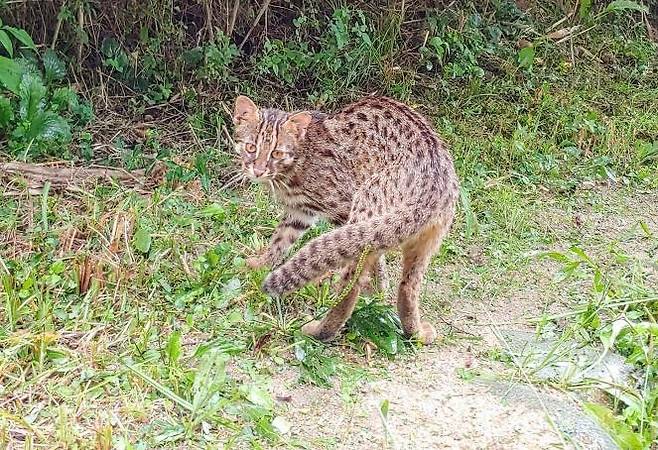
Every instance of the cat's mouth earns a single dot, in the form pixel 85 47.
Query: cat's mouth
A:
pixel 258 175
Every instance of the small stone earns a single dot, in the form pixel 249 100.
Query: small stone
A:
pixel 281 425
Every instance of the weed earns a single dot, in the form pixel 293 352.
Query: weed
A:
pixel 218 57
pixel 620 313
pixel 455 52
pixel 34 115
pixel 344 56
pixel 316 366
pixel 377 324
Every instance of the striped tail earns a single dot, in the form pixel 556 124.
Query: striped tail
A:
pixel 343 245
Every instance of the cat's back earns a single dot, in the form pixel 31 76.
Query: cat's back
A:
pixel 381 125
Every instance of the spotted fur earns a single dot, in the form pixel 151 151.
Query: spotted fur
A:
pixel 376 169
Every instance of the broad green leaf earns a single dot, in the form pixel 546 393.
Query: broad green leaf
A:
pixel 439 46
pixel 599 281
pixel 260 397
pixel 209 380
pixel 22 36
pixel 6 43
pixel 582 255
pixel 608 340
pixel 621 5
pixel 142 240
pixel 378 324
pixel 83 110
pixel 557 256
pixel 64 98
pixel 650 327
pixel 173 347
pixel 526 57
pixel 627 438
pixel 10 74
pixel 215 211
pixel 620 431
pixel 32 95
pixel 46 126
pixel 6 113
pixel 54 68
pixel 645 229
pixel 602 413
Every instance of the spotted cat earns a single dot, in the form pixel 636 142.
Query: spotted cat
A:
pixel 377 170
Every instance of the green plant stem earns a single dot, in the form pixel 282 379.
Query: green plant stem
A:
pixel 578 311
pixel 357 273
pixel 27 150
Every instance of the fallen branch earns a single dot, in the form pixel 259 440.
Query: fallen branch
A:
pixel 66 177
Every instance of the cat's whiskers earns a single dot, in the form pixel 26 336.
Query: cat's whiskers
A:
pixel 235 179
pixel 280 183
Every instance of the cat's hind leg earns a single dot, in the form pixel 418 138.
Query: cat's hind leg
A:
pixel 380 275
pixel 328 327
pixel 376 280
pixel 416 256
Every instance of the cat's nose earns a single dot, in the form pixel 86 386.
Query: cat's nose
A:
pixel 258 172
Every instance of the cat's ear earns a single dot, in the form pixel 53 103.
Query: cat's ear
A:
pixel 245 110
pixel 297 124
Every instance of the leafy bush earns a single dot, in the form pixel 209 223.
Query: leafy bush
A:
pixel 458 52
pixel 342 57
pixel 379 325
pixel 36 116
pixel 141 72
pixel 218 57
pixel 288 61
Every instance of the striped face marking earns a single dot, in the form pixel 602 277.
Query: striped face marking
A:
pixel 267 147
pixel 266 138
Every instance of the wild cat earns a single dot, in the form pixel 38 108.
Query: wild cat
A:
pixel 377 170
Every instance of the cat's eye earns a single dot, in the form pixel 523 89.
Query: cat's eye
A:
pixel 277 154
pixel 250 148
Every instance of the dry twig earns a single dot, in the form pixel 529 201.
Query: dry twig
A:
pixel 63 178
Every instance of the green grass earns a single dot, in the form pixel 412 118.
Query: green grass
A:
pixel 130 320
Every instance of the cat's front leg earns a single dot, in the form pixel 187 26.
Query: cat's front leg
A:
pixel 286 234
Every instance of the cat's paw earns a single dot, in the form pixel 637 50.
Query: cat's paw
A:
pixel 275 285
pixel 315 329
pixel 281 281
pixel 269 286
pixel 426 333
pixel 256 262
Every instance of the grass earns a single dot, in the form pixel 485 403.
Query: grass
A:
pixel 130 320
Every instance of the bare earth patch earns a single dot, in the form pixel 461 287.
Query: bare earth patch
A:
pixel 430 407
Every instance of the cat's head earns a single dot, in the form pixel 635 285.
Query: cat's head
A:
pixel 267 139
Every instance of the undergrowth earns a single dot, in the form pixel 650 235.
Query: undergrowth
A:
pixel 620 313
